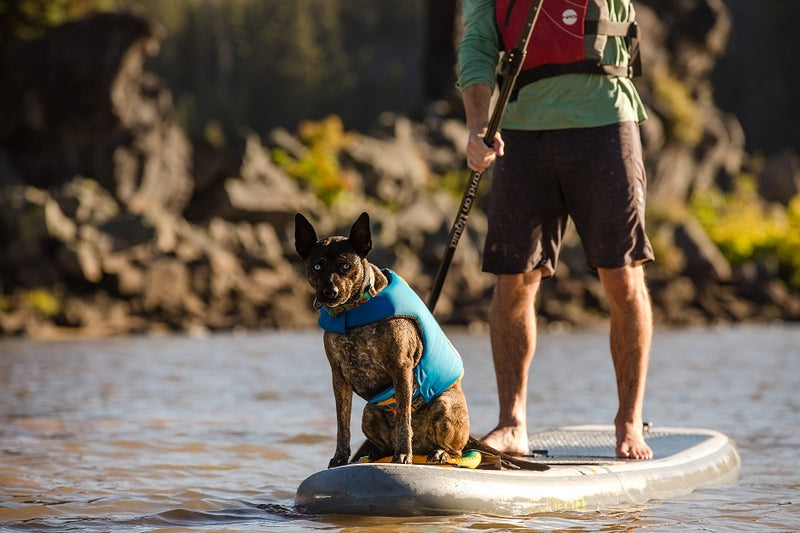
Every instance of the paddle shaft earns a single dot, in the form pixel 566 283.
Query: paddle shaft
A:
pixel 514 60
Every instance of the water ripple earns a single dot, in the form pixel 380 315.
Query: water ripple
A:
pixel 180 434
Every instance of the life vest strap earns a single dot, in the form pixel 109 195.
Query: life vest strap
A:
pixel 526 77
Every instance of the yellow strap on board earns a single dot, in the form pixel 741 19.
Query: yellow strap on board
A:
pixel 468 459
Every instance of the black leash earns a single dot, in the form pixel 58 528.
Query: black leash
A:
pixel 514 60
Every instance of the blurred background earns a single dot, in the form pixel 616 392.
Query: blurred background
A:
pixel 153 154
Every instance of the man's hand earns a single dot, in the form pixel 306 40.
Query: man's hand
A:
pixel 479 155
pixel 476 100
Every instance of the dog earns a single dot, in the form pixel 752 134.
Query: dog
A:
pixel 383 344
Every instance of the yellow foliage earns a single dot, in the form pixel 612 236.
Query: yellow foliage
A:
pixel 319 167
pixel 789 247
pixel 43 301
pixel 745 227
pixel 30 19
pixel 681 113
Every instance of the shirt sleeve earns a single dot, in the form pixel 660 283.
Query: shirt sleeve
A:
pixel 479 50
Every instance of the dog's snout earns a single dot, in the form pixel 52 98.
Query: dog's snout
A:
pixel 330 291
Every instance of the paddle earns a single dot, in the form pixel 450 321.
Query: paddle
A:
pixel 513 60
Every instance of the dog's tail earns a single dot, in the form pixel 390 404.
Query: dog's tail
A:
pixel 510 462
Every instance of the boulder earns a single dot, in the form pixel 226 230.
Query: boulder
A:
pixel 392 169
pixel 249 187
pixel 689 143
pixel 77 102
pixel 112 222
pixel 779 180
pixel 703 260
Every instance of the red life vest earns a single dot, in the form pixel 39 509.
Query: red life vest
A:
pixel 569 37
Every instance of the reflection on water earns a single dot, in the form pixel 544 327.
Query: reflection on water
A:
pixel 191 434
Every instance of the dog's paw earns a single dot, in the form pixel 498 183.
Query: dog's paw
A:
pixel 338 460
pixel 438 457
pixel 402 458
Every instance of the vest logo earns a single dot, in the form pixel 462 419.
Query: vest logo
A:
pixel 569 17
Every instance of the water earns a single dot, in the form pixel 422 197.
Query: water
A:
pixel 215 434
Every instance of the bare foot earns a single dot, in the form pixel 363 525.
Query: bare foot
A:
pixel 631 444
pixel 511 440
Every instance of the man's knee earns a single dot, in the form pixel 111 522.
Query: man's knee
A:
pixel 513 286
pixel 625 286
pixel 515 291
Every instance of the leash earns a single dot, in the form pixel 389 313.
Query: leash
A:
pixel 513 61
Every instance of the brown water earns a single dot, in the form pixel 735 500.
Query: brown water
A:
pixel 215 434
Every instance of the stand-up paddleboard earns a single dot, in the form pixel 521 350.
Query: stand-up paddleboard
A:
pixel 583 475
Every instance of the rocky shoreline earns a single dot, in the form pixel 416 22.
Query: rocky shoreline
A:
pixel 114 222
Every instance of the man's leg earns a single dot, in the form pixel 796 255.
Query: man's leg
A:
pixel 512 323
pixel 631 334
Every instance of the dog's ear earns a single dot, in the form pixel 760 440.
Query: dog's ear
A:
pixel 360 236
pixel 304 236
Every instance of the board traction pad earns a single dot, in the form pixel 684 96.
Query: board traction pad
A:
pixel 580 445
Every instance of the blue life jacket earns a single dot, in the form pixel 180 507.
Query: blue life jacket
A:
pixel 440 365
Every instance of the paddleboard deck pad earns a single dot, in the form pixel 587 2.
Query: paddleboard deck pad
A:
pixel 583 475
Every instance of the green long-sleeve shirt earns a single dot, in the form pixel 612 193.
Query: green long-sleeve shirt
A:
pixel 566 101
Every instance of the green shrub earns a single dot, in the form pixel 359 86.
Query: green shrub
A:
pixel 747 228
pixel 30 19
pixel 43 301
pixel 319 167
pixel 788 248
pixel 678 106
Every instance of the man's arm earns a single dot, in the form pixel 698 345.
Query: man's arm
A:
pixel 476 99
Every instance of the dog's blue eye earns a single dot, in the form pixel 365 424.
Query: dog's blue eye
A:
pixel 346 266
pixel 317 267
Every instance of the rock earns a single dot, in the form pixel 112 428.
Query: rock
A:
pixel 57 225
pixel 253 189
pixel 127 231
pixel 696 34
pixel 78 103
pixel 689 144
pixel 163 180
pixel 442 143
pixel 704 261
pixel 111 222
pixel 166 290
pixel 86 202
pixel 779 180
pixel 123 276
pixel 80 261
pixel 99 315
pixel 392 169
pixel 31 223
pixel 281 138
pixel 675 298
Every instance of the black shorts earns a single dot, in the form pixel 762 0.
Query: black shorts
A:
pixel 593 175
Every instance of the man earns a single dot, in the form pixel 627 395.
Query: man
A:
pixel 570 146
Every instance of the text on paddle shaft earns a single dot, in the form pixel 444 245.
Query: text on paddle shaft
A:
pixel 466 205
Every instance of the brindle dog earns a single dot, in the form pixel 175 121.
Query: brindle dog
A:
pixel 369 358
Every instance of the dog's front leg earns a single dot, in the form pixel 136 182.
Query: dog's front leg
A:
pixel 403 433
pixel 343 393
